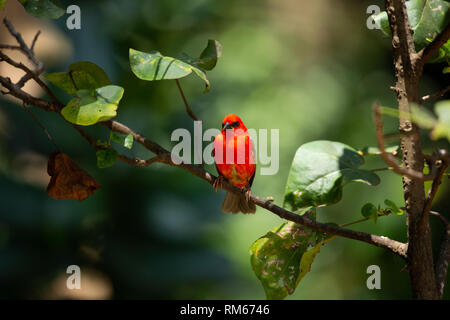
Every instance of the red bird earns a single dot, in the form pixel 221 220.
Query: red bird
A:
pixel 238 168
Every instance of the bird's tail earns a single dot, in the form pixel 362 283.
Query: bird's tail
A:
pixel 236 203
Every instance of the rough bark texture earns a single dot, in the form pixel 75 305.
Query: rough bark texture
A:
pixel 420 255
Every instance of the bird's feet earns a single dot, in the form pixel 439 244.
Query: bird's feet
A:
pixel 218 182
pixel 247 193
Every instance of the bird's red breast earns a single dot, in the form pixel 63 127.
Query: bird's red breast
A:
pixel 233 152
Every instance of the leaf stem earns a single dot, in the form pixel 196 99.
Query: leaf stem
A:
pixel 188 108
pixel 364 219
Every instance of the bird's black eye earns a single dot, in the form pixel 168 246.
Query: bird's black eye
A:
pixel 235 124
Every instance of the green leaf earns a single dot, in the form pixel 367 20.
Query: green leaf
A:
pixel 319 171
pixel 381 20
pixel 282 257
pixel 446 70
pixel 393 207
pixel 442 128
pixel 83 75
pixel 419 115
pixel 86 109
pixel 106 157
pixel 154 66
pixel 368 209
pixel 208 58
pixel 308 258
pixel 422 117
pixel 44 8
pixel 427 18
pixel 122 139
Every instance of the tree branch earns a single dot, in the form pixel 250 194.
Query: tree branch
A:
pixel 389 158
pixel 429 51
pixel 22 45
pixel 436 183
pixel 435 95
pixel 420 254
pixel 164 156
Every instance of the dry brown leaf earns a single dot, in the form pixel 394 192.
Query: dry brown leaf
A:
pixel 68 181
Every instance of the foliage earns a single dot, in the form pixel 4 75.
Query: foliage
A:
pixel 154 66
pixel 439 124
pixel 428 18
pixel 82 75
pixel 282 257
pixel 320 170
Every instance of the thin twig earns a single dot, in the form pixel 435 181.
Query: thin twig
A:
pixel 40 125
pixel 435 185
pixel 364 219
pixel 34 41
pixel 11 47
pixel 30 75
pixel 22 44
pixel 430 50
pixel 435 95
pixel 443 219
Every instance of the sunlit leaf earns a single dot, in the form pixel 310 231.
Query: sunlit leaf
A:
pixel 122 139
pixel 442 128
pixel 393 207
pixel 423 117
pixel 319 171
pixel 154 66
pixel 382 21
pixel 86 109
pixel 282 257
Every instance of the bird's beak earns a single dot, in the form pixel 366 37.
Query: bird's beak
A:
pixel 226 126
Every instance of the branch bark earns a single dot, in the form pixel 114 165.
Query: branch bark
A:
pixel 389 158
pixel 407 72
pixel 408 67
pixel 435 95
pixel 164 156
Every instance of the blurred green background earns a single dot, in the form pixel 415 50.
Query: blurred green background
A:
pixel 309 68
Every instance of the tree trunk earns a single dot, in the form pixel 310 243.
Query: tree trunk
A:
pixel 420 255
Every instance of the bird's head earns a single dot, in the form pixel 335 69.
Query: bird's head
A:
pixel 233 122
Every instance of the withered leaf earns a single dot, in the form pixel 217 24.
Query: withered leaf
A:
pixel 68 181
